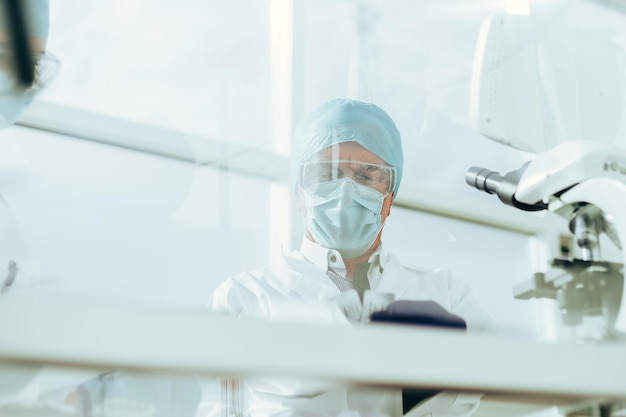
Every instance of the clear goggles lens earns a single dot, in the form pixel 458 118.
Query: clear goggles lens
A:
pixel 378 177
pixel 46 67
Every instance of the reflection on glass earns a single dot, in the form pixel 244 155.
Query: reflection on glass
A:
pixel 64 392
pixel 48 391
pixel 127 394
pixel 51 392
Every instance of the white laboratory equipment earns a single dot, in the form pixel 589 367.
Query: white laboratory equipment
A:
pixel 559 96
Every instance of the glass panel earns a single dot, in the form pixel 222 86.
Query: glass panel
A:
pixel 400 56
pixel 195 66
pixel 113 223
pixel 105 221
pixel 221 71
pixel 55 391
pixel 490 260
pixel 164 230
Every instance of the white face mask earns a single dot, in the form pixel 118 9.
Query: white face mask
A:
pixel 344 215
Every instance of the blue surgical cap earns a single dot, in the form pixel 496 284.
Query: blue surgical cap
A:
pixel 345 120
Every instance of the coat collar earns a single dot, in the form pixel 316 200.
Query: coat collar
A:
pixel 313 262
pixel 322 257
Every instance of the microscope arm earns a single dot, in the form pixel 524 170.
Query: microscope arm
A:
pixel 609 195
pixel 585 183
pixel 538 182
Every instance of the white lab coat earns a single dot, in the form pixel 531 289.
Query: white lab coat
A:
pixel 271 294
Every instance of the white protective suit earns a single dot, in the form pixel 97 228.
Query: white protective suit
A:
pixel 302 277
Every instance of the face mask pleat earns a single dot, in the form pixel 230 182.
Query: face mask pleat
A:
pixel 344 215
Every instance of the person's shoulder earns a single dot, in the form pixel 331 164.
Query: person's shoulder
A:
pixel 238 293
pixel 431 276
pixel 246 277
pixel 268 276
pixel 246 293
pixel 420 270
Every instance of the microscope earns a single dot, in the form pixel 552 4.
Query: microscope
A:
pixel 557 93
pixel 585 184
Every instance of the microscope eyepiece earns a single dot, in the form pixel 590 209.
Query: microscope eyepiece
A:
pixel 504 186
pixel 483 179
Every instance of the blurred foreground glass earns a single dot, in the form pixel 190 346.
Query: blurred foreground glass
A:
pixel 47 65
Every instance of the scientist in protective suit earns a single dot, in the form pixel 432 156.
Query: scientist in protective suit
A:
pixel 346 176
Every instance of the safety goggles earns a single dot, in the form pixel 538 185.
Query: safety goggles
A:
pixel 378 177
pixel 46 67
